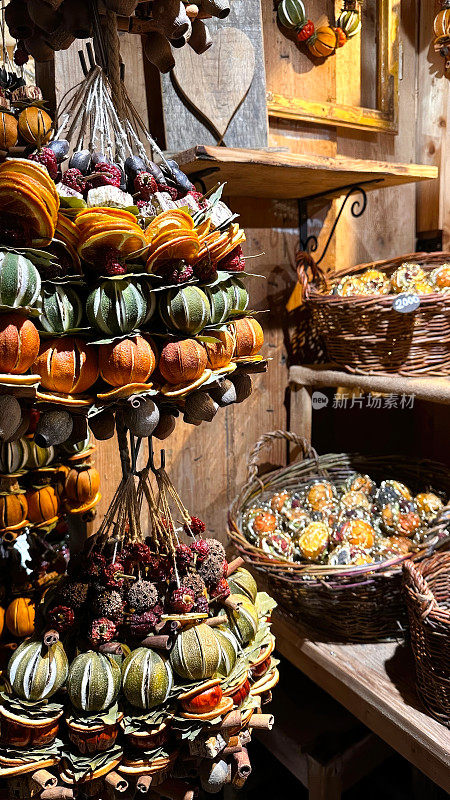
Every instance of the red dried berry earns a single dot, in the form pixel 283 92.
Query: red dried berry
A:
pixel 142 624
pixel 101 631
pixel 305 32
pixel 198 198
pixel 160 568
pixel 61 618
pixel 225 568
pixel 75 180
pixel 233 262
pixel 47 158
pixel 220 590
pixel 110 575
pixel 145 184
pixel 201 548
pixel 96 563
pixel 138 552
pixel 20 54
pixel 109 262
pixel 176 272
pixel 162 187
pixel 182 600
pixel 195 527
pixel 204 269
pixel 184 557
pixel 104 175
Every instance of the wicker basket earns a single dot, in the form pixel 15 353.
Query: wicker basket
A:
pixel 357 603
pixel 364 335
pixel 427 587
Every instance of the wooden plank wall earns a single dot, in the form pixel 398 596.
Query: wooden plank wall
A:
pixel 208 464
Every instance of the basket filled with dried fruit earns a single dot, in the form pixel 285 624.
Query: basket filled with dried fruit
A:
pixel 384 316
pixel 330 534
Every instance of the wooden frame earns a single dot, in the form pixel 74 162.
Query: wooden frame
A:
pixel 382 119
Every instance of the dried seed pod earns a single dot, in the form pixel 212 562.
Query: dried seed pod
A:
pixel 157 50
pixel 103 425
pixel 200 38
pixel 200 406
pixel 243 386
pixel 54 427
pixel 225 394
pixel 18 20
pixel 171 18
pixel 79 429
pixel 214 775
pixel 216 8
pixel 44 16
pixel 38 48
pixel 22 428
pixel 142 419
pixel 182 40
pixel 76 18
pixel 165 426
pixel 10 416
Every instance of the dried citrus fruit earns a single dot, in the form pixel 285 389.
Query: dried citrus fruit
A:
pixel 15 203
pixel 33 170
pixel 182 247
pixel 125 242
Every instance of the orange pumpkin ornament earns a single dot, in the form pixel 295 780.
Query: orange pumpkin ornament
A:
pixel 127 361
pixel 9 131
pixel 2 619
pixel 19 344
pixel 182 362
pixel 67 365
pixel 13 510
pixel 82 484
pixel 248 337
pixel 35 125
pixel 323 42
pixel 19 617
pixel 43 503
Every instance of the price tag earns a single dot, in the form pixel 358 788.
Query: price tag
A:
pixel 405 303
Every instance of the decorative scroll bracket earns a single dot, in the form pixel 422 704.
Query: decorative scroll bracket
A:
pixel 309 244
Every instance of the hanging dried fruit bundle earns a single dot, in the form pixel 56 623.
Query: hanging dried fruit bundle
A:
pixel 324 40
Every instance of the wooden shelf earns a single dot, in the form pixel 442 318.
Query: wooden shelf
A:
pixel 282 175
pixel 375 682
pixel 435 390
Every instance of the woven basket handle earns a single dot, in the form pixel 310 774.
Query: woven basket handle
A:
pixel 422 592
pixel 309 274
pixel 266 439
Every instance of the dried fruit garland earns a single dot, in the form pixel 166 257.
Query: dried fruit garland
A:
pixel 324 40
pixel 442 33
pixel 165 651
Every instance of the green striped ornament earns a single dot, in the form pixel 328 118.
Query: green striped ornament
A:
pixel 62 309
pixel 291 13
pixel 243 621
pixel 146 678
pixel 219 303
pixel 20 282
pixel 39 456
pixel 186 309
pixel 116 307
pixel 242 582
pixel 94 681
pixel 229 648
pixel 350 22
pixel 36 672
pixel 237 295
pixel 196 653
pixel 150 299
pixel 14 456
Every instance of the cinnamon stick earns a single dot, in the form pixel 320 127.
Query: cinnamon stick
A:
pixel 113 648
pixel 234 565
pixel 175 790
pixel 161 642
pixel 229 603
pixel 231 750
pixel 213 622
pixel 51 637
pixel 242 764
pixel 232 720
pixel 57 793
pixel 116 782
pixel 262 722
pixel 143 784
pixel 44 778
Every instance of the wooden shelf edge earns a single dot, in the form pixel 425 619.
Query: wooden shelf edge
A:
pixel 434 390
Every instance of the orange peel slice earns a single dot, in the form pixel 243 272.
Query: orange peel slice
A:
pixel 33 170
pixel 126 242
pixel 13 201
pixel 28 186
pixel 182 247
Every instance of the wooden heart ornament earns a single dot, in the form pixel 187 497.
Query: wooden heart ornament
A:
pixel 216 82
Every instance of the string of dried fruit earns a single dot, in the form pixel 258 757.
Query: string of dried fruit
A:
pixel 165 651
pixel 324 40
pixel 442 33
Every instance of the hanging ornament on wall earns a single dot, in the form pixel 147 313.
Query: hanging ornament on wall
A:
pixel 326 39
pixel 442 34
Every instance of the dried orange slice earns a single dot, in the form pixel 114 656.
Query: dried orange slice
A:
pixel 67 231
pixel 203 229
pixel 28 187
pixel 33 170
pixel 169 220
pixel 91 215
pixel 125 242
pixel 105 228
pixel 169 236
pixel 15 202
pixel 183 247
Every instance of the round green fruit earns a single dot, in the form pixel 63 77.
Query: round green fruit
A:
pixel 116 307
pixel 196 653
pixel 218 300
pixel 186 309
pixel 14 456
pixel 243 621
pixel 20 282
pixel 61 309
pixel 35 671
pixel 237 295
pixel 94 681
pixel 229 648
pixel 146 678
pixel 242 582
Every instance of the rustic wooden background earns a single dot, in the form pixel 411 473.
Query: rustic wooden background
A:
pixel 208 463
